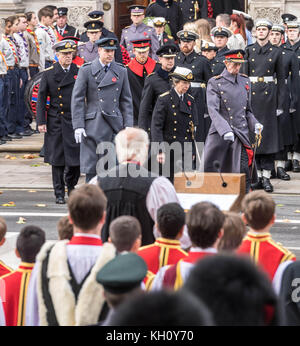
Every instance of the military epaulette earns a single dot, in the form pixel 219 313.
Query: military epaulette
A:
pixel 151 3
pixel 49 68
pixel 244 75
pixel 86 63
pixel 164 94
pixel 191 96
pixel 151 74
pixel 128 26
pixel 119 64
pixel 217 77
pixel 170 37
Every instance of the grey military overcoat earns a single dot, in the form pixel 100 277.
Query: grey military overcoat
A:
pixel 102 105
pixel 229 108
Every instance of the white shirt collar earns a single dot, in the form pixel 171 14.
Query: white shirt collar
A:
pixel 86 235
pixel 199 249
pixel 101 63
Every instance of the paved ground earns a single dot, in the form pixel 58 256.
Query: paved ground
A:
pixel 27 183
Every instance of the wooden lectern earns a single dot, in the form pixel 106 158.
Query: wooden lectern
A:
pixel 194 187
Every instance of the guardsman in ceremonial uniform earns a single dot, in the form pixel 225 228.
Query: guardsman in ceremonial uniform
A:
pixel 200 68
pixel 221 35
pixel 156 84
pixel 193 9
pixel 61 150
pixel 15 284
pixel 293 35
pixel 89 50
pixel 174 120
pixel 138 69
pixel 138 30
pixel 170 10
pixel 166 250
pixel 264 64
pixel 62 27
pixel 159 24
pixel 228 102
pixel 259 214
pixel 287 128
pixel 101 104
pixel 204 222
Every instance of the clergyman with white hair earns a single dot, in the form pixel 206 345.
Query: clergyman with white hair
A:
pixel 131 189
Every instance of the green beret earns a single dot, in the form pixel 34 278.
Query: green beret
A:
pixel 122 274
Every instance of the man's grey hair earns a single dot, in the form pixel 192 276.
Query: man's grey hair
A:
pixel 132 144
pixel 225 19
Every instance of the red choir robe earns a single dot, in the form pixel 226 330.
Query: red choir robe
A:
pixel 14 294
pixel 265 252
pixel 161 253
pixel 4 269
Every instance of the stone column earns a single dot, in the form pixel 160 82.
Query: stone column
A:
pixel 270 9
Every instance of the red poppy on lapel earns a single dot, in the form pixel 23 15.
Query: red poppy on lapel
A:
pixel 75 77
pixel 247 87
pixel 189 103
pixel 165 40
pixel 145 34
pixel 114 79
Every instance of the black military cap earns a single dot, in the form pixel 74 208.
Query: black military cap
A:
pixel 287 17
pixel 62 11
pixel 186 36
pixel 137 10
pixel 123 273
pixel 221 31
pixel 107 43
pixel 96 15
pixel 167 50
pixel 141 45
pixel 65 46
pixel 93 26
pixel 206 46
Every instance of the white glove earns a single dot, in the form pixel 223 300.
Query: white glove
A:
pixel 278 112
pixel 258 127
pixel 78 134
pixel 229 136
pixel 292 110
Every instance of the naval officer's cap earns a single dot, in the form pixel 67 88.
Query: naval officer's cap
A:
pixel 221 31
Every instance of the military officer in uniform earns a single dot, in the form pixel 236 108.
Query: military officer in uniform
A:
pixel 288 131
pixel 228 101
pixel 221 36
pixel 209 51
pixel 187 57
pixel 174 121
pixel 138 69
pixel 156 84
pixel 159 24
pixel 101 104
pixel 89 50
pixel 264 64
pixel 62 27
pixel 170 10
pixel 293 42
pixel 61 150
pixel 138 30
pixel 193 9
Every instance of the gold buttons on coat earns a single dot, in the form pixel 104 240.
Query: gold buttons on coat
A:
pixel 61 105
pixel 60 96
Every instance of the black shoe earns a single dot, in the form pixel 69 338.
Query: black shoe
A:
pixel 296 166
pixel 60 200
pixel 258 185
pixel 273 174
pixel 6 138
pixel 288 166
pixel 2 141
pixel 282 174
pixel 26 133
pixel 267 186
pixel 15 136
pixel 36 131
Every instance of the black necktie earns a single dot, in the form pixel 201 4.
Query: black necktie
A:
pixel 66 70
pixel 105 68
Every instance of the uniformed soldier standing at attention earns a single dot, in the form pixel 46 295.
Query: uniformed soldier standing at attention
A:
pixel 159 24
pixel 156 84
pixel 170 10
pixel 193 9
pixel 89 50
pixel 61 150
pixel 293 42
pixel 221 36
pixel 288 131
pixel 101 104
pixel 138 69
pixel 200 68
pixel 138 30
pixel 228 102
pixel 174 120
pixel 264 64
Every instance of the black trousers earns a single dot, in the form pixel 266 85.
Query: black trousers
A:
pixel 264 161
pixel 297 145
pixel 282 155
pixel 64 176
pixel 244 168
